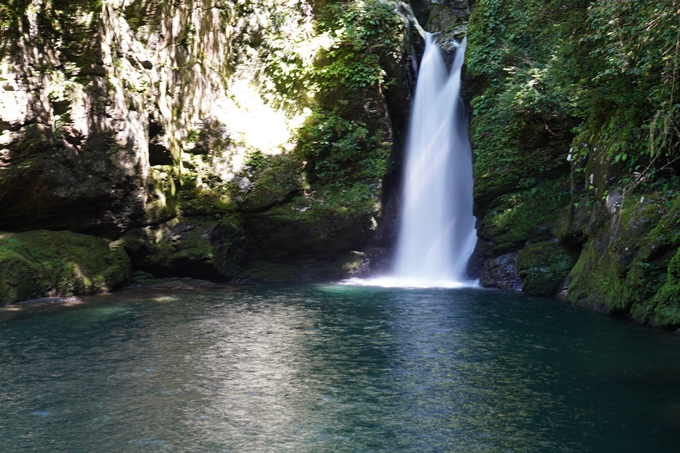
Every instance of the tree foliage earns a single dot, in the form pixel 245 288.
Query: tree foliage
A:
pixel 609 67
pixel 346 139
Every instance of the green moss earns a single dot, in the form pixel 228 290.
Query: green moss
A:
pixel 275 180
pixel 198 248
pixel 655 270
pixel 543 266
pixel 631 266
pixel 525 216
pixel 312 225
pixel 666 302
pixel 214 202
pixel 48 263
pixel 596 280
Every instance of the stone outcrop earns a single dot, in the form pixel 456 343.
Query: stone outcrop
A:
pixel 193 247
pixel 96 97
pixel 45 263
pixel 501 273
pixel 543 266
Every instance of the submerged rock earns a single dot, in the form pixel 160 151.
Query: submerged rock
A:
pixel 332 266
pixel 46 301
pixel 141 279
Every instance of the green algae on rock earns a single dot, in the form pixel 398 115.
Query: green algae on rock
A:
pixel 631 266
pixel 543 267
pixel 58 263
pixel 193 247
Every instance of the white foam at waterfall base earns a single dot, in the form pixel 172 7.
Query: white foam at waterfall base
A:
pixel 400 282
pixel 437 229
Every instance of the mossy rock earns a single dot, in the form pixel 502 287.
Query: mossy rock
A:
pixel 335 267
pixel 501 273
pixel 543 266
pixel 58 263
pixel 441 19
pixel 627 267
pixel 516 218
pixel 595 279
pixel 272 185
pixel 196 247
pixel 666 310
pixel 289 230
pixel 562 227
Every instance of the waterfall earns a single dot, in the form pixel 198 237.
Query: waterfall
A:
pixel 437 233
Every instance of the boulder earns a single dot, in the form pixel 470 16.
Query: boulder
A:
pixel 290 230
pixel 194 247
pixel 44 263
pixel 501 273
pixel 543 266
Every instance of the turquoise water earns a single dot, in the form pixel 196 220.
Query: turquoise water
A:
pixel 326 368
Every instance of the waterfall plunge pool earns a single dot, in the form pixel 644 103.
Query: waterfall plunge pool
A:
pixel 331 368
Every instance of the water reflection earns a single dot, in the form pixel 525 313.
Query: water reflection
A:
pixel 334 368
pixel 248 373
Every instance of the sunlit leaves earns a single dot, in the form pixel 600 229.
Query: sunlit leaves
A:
pixel 365 31
pixel 338 149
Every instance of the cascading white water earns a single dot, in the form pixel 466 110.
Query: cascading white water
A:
pixel 437 234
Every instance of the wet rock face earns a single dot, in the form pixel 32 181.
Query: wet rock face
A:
pixel 630 265
pixel 424 10
pixel 286 232
pixel 442 19
pixel 269 186
pixel 56 188
pixel 222 250
pixel 376 261
pixel 140 117
pixel 501 273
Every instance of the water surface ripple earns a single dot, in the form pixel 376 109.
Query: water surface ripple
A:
pixel 330 368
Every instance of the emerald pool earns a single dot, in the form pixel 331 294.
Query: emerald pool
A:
pixel 333 368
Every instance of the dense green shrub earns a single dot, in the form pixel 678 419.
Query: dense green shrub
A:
pixel 610 65
pixel 341 150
